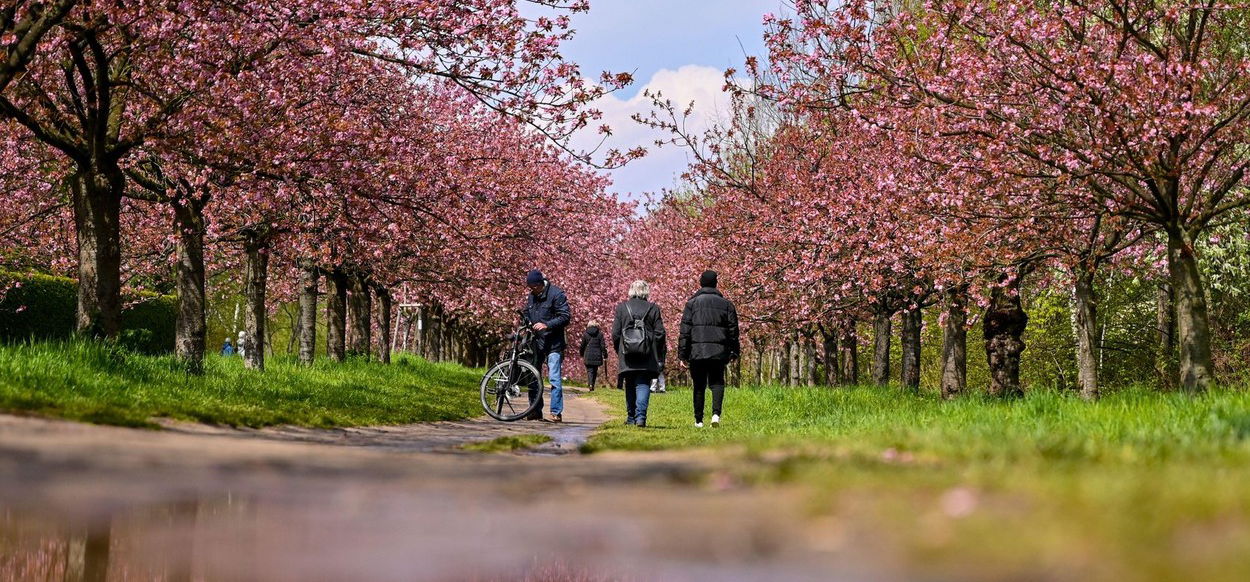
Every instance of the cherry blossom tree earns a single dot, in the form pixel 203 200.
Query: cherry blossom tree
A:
pixel 1140 105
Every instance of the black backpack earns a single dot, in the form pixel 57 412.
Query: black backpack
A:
pixel 634 336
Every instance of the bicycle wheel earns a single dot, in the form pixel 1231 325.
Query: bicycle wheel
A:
pixel 505 390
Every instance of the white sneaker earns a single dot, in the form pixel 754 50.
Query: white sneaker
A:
pixel 715 421
pixel 698 425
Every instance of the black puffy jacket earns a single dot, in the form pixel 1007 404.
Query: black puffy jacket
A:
pixel 709 328
pixel 593 348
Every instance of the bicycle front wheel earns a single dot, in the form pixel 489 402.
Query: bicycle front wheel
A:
pixel 505 390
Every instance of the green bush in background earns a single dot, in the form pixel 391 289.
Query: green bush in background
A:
pixel 41 307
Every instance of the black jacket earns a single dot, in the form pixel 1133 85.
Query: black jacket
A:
pixel 593 350
pixel 552 308
pixel 709 328
pixel 651 363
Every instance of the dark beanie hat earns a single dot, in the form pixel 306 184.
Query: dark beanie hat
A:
pixel 535 277
pixel 707 279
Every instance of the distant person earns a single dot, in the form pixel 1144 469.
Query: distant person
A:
pixel 549 314
pixel 708 341
pixel 657 385
pixel 227 349
pixel 593 351
pixel 242 345
pixel 638 340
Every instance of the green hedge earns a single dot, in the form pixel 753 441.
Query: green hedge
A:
pixel 42 307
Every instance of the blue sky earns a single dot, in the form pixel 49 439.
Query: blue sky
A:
pixel 650 35
pixel 679 47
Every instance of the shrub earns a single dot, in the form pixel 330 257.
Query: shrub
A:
pixel 40 307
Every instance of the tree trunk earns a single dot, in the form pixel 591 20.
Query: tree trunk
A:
pixel 833 368
pixel 1085 326
pixel 955 344
pixel 359 316
pixel 1005 321
pixel 850 357
pixel 190 328
pixel 97 197
pixel 384 324
pixel 794 361
pixel 910 372
pixel 881 329
pixel 760 349
pixel 336 315
pixel 809 354
pixel 256 245
pixel 1192 323
pixel 1165 345
pixel 308 312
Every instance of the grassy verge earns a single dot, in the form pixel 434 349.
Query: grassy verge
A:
pixel 1138 486
pixel 508 443
pixel 99 383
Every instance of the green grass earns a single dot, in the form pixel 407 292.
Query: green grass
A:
pixel 508 443
pixel 1130 425
pixel 1138 486
pixel 101 383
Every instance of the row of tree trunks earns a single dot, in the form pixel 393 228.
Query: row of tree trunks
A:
pixel 344 308
pixel 425 332
pixel 841 356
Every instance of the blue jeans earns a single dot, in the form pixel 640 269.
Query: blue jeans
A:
pixel 555 365
pixel 637 395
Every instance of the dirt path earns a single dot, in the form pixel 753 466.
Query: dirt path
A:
pixel 581 416
pixel 204 503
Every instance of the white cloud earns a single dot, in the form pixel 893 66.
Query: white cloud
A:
pixel 662 167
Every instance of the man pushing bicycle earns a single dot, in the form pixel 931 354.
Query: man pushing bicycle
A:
pixel 548 308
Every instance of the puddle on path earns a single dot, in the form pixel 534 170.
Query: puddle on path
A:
pixel 531 530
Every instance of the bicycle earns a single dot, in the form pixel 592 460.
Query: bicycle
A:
pixel 506 382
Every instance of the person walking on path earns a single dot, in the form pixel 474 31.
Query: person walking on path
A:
pixel 638 340
pixel 593 351
pixel 549 314
pixel 707 342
